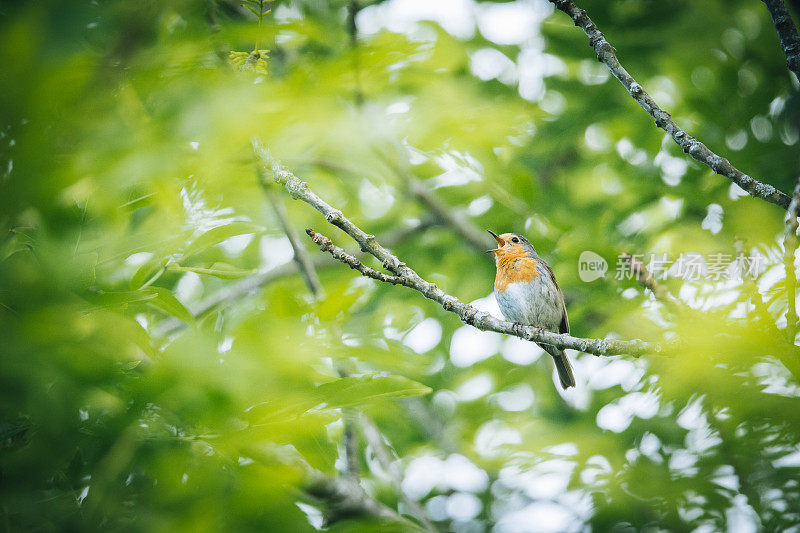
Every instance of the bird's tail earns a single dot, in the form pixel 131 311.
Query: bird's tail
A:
pixel 562 366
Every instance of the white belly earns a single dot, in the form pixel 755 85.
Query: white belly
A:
pixel 537 304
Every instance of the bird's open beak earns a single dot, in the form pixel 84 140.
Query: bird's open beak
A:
pixel 500 242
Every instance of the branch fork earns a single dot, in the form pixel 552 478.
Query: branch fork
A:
pixel 402 274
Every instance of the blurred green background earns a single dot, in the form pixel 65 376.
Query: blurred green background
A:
pixel 163 366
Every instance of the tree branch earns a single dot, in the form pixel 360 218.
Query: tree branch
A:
pixel 298 189
pixel 460 224
pixel 789 249
pixel 750 286
pixel 346 499
pixel 352 29
pixel 343 497
pixel 647 280
pixel 787 33
pixel 301 256
pixel 350 441
pixel 326 245
pixel 374 438
pixel 430 424
pixel 444 214
pixel 690 145
pixel 352 469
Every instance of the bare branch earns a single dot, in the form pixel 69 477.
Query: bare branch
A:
pixel 301 256
pixel 458 222
pixel 374 438
pixel 485 321
pixel 789 249
pixel 690 145
pixel 469 315
pixel 787 33
pixel 326 245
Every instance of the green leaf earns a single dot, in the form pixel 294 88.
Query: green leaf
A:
pixel 341 392
pixel 139 336
pixel 13 432
pixel 219 234
pixel 118 298
pixel 219 270
pixel 84 276
pixel 145 272
pixel 253 10
pixel 348 392
pixel 166 301
pixel 18 242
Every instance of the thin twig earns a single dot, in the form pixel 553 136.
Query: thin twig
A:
pixel 374 438
pixel 470 315
pixel 326 245
pixel 647 280
pixel 734 457
pixel 350 441
pixel 301 256
pixel 298 189
pixel 352 469
pixel 443 214
pixel 690 145
pixel 749 285
pixel 433 426
pixel 789 249
pixel 352 29
pixel 346 499
pixel 343 498
pixel 457 221
pixel 251 284
pixel 787 33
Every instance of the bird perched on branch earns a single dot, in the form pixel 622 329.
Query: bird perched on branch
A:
pixel 527 293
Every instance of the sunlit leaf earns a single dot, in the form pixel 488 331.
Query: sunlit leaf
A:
pixel 166 301
pixel 127 130
pixel 145 271
pixel 219 234
pixel 119 298
pixel 220 270
pixel 349 392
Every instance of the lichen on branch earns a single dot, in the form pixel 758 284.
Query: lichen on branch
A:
pixel 607 54
pixel 405 275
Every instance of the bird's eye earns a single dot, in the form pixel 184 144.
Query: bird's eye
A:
pixel 514 240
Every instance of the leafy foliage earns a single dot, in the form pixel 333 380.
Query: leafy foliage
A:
pixel 130 200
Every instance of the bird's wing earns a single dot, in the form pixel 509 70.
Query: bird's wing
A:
pixel 564 326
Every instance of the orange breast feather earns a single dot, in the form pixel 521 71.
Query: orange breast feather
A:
pixel 513 268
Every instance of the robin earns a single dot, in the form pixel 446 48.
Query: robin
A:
pixel 527 293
